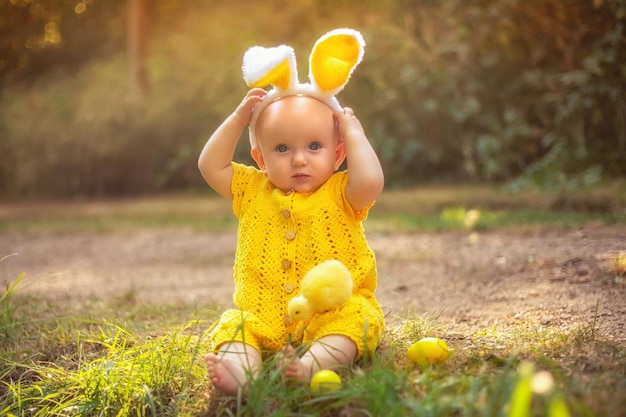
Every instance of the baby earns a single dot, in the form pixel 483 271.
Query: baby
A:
pixel 295 210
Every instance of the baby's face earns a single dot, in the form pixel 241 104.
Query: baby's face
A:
pixel 298 143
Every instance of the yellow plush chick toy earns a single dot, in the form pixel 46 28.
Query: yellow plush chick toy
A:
pixel 326 285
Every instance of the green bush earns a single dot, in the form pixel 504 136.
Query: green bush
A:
pixel 492 90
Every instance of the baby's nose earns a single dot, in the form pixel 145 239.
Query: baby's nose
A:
pixel 298 158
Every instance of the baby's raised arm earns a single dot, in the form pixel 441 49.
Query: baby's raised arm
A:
pixel 365 174
pixel 216 156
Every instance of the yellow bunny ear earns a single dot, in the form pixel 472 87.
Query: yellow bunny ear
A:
pixel 264 66
pixel 333 58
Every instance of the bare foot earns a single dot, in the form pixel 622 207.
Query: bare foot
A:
pixel 292 366
pixel 226 375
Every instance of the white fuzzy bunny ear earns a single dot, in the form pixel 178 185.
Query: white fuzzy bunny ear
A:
pixel 333 58
pixel 276 66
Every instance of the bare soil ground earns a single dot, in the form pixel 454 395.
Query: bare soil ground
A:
pixel 469 281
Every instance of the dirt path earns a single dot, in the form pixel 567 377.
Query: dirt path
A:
pixel 488 279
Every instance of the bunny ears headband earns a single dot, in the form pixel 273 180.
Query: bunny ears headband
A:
pixel 332 60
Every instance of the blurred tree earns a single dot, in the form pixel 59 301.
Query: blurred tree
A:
pixel 38 37
pixel 137 45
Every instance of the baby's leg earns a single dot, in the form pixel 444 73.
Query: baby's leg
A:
pixel 232 366
pixel 328 352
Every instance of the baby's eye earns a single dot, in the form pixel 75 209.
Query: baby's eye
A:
pixel 282 148
pixel 315 146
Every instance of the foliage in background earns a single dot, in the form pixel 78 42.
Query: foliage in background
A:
pixel 489 90
pixel 527 92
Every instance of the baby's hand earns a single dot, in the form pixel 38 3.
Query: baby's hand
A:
pixel 244 110
pixel 348 122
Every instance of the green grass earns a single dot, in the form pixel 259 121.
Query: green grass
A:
pixel 102 357
pixel 208 214
pixel 453 218
pixel 428 208
pixel 477 207
pixel 115 357
pixel 117 223
pixel 446 220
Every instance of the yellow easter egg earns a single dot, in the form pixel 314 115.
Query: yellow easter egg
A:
pixel 429 350
pixel 325 380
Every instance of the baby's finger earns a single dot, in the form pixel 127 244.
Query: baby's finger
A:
pixel 257 92
pixel 348 111
pixel 254 97
pixel 344 115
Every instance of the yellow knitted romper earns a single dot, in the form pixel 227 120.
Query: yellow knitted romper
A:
pixel 281 236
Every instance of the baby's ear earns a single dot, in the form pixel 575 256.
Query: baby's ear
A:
pixel 264 66
pixel 333 58
pixel 340 154
pixel 257 155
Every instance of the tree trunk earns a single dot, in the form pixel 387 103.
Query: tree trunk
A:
pixel 137 46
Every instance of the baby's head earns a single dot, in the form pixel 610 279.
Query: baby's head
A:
pixel 318 102
pixel 293 134
pixel 297 143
